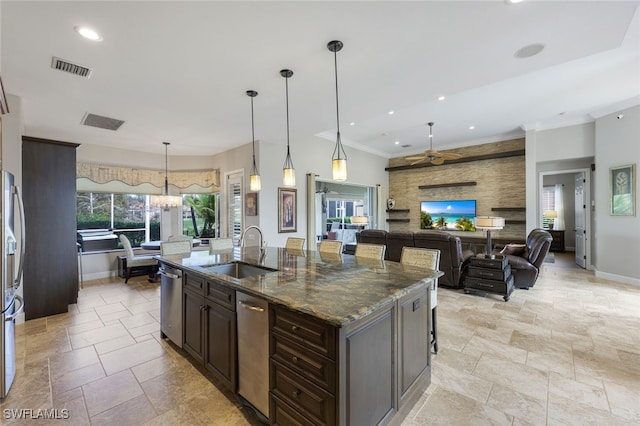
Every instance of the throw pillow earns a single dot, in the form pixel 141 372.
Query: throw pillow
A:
pixel 515 249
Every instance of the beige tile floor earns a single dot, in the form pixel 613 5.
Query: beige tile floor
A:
pixel 566 352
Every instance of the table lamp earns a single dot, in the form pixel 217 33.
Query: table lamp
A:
pixel 489 223
pixel 550 214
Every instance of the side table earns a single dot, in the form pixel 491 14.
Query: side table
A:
pixel 491 274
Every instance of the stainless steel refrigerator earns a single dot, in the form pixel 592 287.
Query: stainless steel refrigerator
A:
pixel 11 272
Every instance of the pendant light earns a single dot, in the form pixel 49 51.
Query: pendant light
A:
pixel 254 177
pixel 166 201
pixel 288 171
pixel 339 158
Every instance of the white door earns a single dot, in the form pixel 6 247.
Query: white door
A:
pixel 581 220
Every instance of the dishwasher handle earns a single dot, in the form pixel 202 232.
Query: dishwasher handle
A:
pixel 169 274
pixel 249 306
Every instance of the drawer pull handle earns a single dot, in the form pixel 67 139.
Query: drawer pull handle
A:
pixel 294 328
pixel 296 393
pixel 295 359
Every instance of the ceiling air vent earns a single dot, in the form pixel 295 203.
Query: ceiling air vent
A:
pixel 70 67
pixel 101 122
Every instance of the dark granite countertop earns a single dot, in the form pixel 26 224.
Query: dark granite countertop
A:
pixel 337 288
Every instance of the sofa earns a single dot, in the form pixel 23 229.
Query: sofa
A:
pixel 525 259
pixel 453 260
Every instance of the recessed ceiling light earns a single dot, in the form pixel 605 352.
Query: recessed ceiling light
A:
pixel 88 33
pixel 391 112
pixel 513 1
pixel 472 127
pixel 352 124
pixel 441 98
pixel 529 51
pixel 397 142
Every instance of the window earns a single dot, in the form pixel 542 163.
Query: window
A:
pixel 548 203
pixel 123 213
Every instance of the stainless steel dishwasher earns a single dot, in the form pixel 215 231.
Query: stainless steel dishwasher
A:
pixel 253 351
pixel 171 304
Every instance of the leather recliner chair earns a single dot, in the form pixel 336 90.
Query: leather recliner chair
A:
pixel 396 240
pixel 373 236
pixel 525 260
pixel 453 260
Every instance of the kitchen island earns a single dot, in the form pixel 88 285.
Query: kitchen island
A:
pixel 344 341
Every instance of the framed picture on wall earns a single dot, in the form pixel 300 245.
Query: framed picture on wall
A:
pixel 251 204
pixel 287 210
pixel 623 191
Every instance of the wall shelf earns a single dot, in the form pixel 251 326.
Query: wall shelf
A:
pixel 514 222
pixel 448 185
pixel 508 209
pixel 397 210
pixel 398 220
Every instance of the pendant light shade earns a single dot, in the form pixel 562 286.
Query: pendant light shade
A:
pixel 166 201
pixel 288 171
pixel 339 158
pixel 254 177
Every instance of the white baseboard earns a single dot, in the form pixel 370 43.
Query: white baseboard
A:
pixel 100 275
pixel 618 278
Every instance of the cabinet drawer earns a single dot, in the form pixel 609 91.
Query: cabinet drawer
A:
pixel 494 286
pixel 305 397
pixel 310 365
pixel 283 415
pixel 308 332
pixel 193 282
pixel 220 294
pixel 490 274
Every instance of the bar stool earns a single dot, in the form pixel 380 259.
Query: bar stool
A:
pixel 426 259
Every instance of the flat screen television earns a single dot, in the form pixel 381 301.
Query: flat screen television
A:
pixel 448 215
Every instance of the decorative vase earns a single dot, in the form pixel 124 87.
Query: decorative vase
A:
pixel 391 203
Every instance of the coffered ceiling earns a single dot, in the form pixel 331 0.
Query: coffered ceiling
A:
pixel 178 71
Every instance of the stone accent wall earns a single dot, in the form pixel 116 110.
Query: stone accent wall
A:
pixel 500 183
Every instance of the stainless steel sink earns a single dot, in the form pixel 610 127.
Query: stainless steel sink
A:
pixel 239 270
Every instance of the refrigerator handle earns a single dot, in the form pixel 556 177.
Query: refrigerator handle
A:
pixel 18 195
pixel 16 313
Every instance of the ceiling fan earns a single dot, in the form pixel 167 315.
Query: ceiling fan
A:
pixel 434 157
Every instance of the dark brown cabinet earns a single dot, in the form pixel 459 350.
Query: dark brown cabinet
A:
pixel 51 259
pixel 557 244
pixel 210 326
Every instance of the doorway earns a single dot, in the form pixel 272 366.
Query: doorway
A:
pixel 573 215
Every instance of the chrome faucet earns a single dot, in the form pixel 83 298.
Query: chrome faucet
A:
pixel 263 244
pixel 259 232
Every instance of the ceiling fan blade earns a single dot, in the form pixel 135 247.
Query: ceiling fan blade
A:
pixel 418 161
pixel 450 156
pixel 437 161
pixel 414 157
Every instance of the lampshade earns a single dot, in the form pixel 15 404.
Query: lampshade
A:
pixel 288 171
pixel 166 201
pixel 550 214
pixel 255 183
pixel 359 220
pixel 489 222
pixel 339 157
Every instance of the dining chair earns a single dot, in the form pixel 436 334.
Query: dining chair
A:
pixel 220 244
pixel 330 246
pixel 370 251
pixel 180 238
pixel 134 261
pixel 294 243
pixel 426 259
pixel 176 247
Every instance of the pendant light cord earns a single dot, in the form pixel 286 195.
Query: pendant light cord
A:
pixel 253 137
pixel 286 82
pixel 166 168
pixel 335 63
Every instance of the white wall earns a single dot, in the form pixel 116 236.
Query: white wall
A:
pixel 566 143
pixel 310 155
pixel 617 237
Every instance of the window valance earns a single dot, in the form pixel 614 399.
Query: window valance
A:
pixel 103 174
